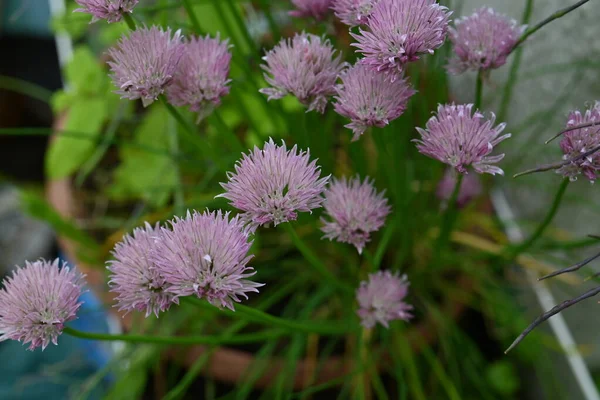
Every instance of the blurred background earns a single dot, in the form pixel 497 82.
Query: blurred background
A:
pixel 559 72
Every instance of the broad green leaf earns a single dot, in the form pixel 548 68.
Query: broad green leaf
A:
pixel 82 127
pixel 73 23
pixel 84 73
pixel 146 175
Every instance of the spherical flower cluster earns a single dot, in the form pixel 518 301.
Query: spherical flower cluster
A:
pixel 368 98
pixel 305 66
pixel 317 9
pixel 273 184
pixel 483 40
pixel 144 63
pixel 460 138
pixel 355 209
pixel 400 31
pixel 110 10
pixel 381 299
pixel 206 255
pixel 37 301
pixel 201 77
pixel 353 12
pixel 579 141
pixel 470 188
pixel 133 274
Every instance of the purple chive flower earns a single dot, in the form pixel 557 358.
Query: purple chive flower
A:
pixel 579 141
pixel 271 185
pixel 470 188
pixel 400 31
pixel 305 66
pixel 353 12
pixel 206 255
pixel 201 78
pixel 37 301
pixel 110 10
pixel 381 299
pixel 482 41
pixel 144 63
pixel 460 138
pixel 134 276
pixel 368 98
pixel 317 9
pixel 355 209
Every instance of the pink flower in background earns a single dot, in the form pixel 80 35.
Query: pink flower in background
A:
pixel 381 299
pixel 483 40
pixel 317 9
pixel 400 31
pixel 273 184
pixel 110 10
pixel 460 138
pixel 470 188
pixel 202 75
pixel 369 99
pixel 143 64
pixel 206 255
pixel 579 141
pixel 133 274
pixel 353 12
pixel 305 66
pixel 37 301
pixel 355 209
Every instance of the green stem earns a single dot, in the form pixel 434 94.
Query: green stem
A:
pixel 243 26
pixel 558 14
pixel 174 145
pixel 479 90
pixel 514 68
pixel 27 88
pixel 227 133
pixel 313 260
pixel 179 340
pixel 448 219
pixel 383 243
pixel 544 224
pixel 129 21
pixel 187 4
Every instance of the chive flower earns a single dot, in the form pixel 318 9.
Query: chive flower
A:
pixel 400 31
pixel 37 301
pixel 143 64
pixel 317 9
pixel 483 40
pixel 134 276
pixel 202 75
pixel 368 98
pixel 459 137
pixel 273 184
pixel 353 12
pixel 110 10
pixel 355 210
pixel 381 299
pixel 305 66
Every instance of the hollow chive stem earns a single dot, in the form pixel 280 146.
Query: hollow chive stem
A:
pixel 129 21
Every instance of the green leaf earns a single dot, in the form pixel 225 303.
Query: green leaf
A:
pixel 73 23
pixel 67 153
pixel 84 73
pixel 61 100
pixel 145 175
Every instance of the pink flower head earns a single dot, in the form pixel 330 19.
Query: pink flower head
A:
pixel 144 63
pixel 483 40
pixel 134 276
pixel 381 299
pixel 399 31
pixel 579 141
pixel 369 99
pixel 355 209
pixel 317 9
pixel 353 12
pixel 206 255
pixel 110 10
pixel 201 78
pixel 37 301
pixel 460 138
pixel 470 188
pixel 305 66
pixel 271 185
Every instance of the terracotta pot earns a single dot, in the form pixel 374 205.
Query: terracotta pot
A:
pixel 228 364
